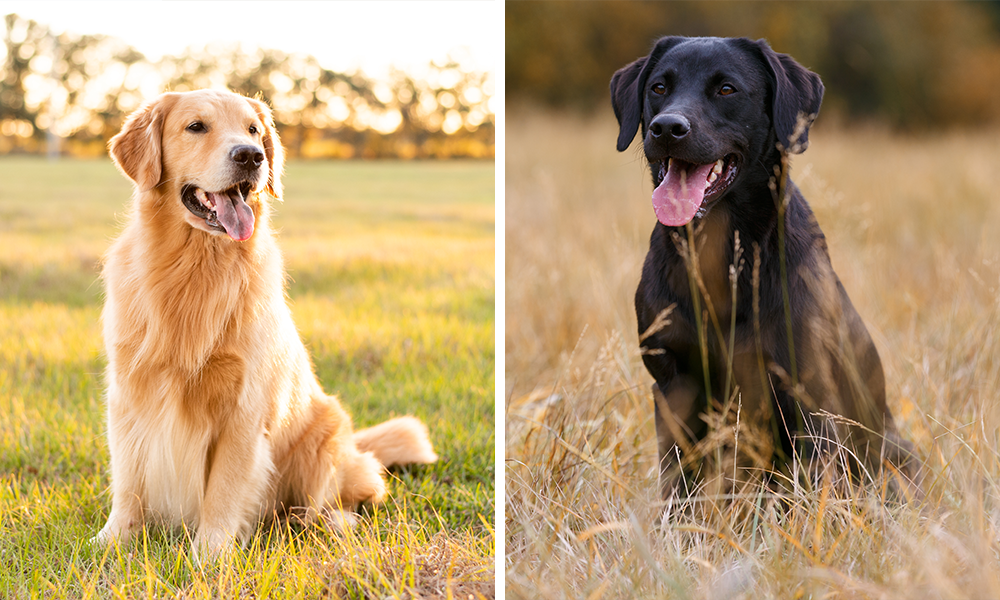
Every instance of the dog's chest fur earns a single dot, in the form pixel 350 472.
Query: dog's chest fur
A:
pixel 199 290
pixel 712 257
pixel 179 396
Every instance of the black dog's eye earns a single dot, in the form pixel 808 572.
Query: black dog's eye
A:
pixel 659 89
pixel 197 127
pixel 726 89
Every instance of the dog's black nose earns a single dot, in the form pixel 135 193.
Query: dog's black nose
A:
pixel 248 157
pixel 672 125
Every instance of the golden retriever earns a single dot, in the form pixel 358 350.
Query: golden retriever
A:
pixel 215 417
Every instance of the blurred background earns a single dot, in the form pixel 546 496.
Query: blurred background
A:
pixel 902 175
pixel 910 65
pixel 420 83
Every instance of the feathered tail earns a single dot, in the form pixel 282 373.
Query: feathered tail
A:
pixel 398 441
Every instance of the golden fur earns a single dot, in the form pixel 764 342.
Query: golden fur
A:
pixel 215 418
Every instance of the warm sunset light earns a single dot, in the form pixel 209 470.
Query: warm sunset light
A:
pixel 68 86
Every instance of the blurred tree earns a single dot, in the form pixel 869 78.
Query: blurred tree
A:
pixel 70 86
pixel 82 87
pixel 93 79
pixel 444 101
pixel 22 40
pixel 913 65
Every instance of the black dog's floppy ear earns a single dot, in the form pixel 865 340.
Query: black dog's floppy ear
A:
pixel 626 99
pixel 797 91
pixel 627 86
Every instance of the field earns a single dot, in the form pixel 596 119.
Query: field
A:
pixel 392 289
pixel 913 225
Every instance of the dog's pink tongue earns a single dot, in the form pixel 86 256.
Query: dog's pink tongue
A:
pixel 678 197
pixel 234 214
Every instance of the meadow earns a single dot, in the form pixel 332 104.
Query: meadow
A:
pixel 392 281
pixel 913 226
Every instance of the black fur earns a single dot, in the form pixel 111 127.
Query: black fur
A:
pixel 770 99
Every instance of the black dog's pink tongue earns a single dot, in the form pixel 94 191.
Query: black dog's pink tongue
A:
pixel 234 214
pixel 678 197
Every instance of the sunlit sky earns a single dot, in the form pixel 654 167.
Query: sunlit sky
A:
pixel 343 36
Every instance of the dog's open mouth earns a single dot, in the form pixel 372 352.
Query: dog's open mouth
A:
pixel 225 211
pixel 684 190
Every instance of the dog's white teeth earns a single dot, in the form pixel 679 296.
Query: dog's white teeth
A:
pixel 713 176
pixel 717 168
pixel 204 198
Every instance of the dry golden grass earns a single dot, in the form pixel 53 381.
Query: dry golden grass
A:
pixel 913 226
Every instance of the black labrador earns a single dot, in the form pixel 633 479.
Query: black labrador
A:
pixel 739 309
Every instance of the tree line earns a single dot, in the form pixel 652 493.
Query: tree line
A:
pixel 912 65
pixel 69 94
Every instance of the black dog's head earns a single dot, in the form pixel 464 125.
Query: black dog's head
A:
pixel 712 112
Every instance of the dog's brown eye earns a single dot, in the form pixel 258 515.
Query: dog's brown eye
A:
pixel 254 130
pixel 197 127
pixel 659 89
pixel 726 90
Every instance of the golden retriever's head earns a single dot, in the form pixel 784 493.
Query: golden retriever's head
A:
pixel 212 151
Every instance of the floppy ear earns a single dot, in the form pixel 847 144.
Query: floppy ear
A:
pixel 627 87
pixel 136 150
pixel 627 101
pixel 272 148
pixel 797 91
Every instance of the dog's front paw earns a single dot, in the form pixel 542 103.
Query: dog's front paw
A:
pixel 337 519
pixel 102 539
pixel 113 531
pixel 211 544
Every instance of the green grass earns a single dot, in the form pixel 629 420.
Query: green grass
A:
pixel 392 289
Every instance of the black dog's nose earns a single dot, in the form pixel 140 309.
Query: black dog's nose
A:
pixel 248 157
pixel 672 125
